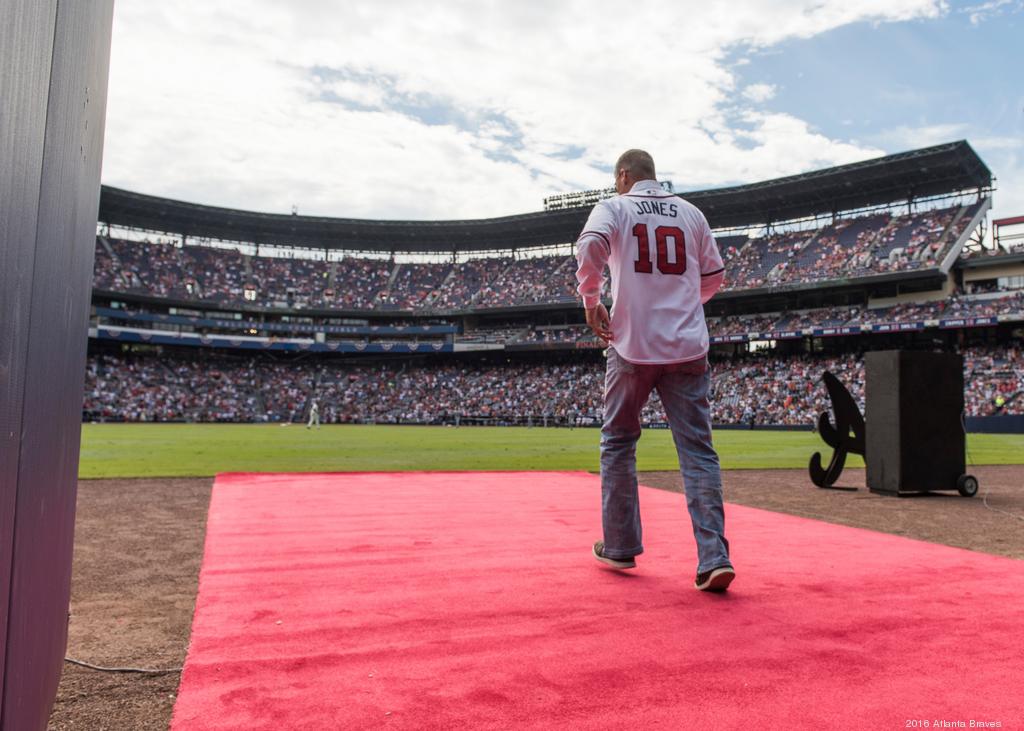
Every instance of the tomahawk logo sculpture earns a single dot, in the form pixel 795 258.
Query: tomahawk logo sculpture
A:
pixel 846 437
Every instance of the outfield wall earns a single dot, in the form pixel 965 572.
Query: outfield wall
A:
pixel 975 424
pixel 995 424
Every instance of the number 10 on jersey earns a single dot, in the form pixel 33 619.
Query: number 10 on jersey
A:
pixel 662 236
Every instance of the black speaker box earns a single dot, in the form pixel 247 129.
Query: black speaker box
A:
pixel 914 401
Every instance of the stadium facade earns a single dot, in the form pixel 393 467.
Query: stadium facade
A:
pixel 204 313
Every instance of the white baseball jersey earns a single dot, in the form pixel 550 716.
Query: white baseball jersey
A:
pixel 664 264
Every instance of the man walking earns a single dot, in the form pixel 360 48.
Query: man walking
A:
pixel 314 415
pixel 664 265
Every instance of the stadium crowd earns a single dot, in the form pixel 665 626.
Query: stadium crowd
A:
pixel 994 382
pixel 764 389
pixel 413 285
pixel 356 282
pixel 529 281
pixel 761 388
pixel 953 307
pixel 850 247
pixel 468 280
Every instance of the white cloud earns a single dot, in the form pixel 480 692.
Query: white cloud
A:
pixel 996 144
pixel 983 11
pixel 907 137
pixel 467 109
pixel 1008 199
pixel 759 92
pixel 1003 154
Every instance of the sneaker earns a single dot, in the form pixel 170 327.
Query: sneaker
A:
pixel 715 579
pixel 615 563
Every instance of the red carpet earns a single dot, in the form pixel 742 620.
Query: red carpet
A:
pixel 421 601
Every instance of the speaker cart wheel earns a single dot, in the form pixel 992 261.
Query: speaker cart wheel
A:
pixel 967 485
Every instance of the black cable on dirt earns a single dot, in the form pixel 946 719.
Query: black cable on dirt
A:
pixel 143 671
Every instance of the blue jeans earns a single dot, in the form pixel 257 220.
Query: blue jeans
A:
pixel 683 388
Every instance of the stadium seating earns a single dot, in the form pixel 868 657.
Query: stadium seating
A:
pixel 105 270
pixel 412 286
pixel 468 278
pixel 356 282
pixel 852 247
pixel 543 279
pixel 289 282
pixel 767 387
pixel 463 322
pixel 994 381
pixel 219 274
pixel 764 388
pixel 954 307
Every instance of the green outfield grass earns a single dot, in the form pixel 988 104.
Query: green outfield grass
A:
pixel 179 450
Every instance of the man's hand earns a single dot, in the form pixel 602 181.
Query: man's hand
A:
pixel 600 323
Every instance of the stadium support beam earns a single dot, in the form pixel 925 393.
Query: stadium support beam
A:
pixel 1011 238
pixel 54 57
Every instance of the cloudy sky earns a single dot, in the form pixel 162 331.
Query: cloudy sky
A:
pixel 476 108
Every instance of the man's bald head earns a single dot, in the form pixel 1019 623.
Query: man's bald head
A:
pixel 639 165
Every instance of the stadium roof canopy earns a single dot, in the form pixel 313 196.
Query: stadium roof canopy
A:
pixel 932 171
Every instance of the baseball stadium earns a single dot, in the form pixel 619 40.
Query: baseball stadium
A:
pixel 315 472
pixel 458 348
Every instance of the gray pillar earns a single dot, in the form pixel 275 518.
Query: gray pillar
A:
pixel 54 56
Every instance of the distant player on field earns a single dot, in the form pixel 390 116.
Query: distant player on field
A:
pixel 314 415
pixel 664 265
